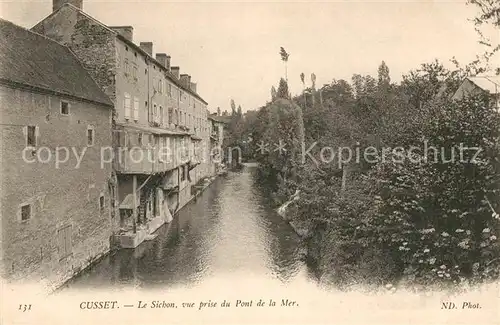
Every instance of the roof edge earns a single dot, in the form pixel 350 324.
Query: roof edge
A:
pixel 124 39
pixel 25 86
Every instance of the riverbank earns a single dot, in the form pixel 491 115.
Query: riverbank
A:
pixel 303 228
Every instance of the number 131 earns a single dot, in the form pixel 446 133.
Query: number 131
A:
pixel 24 308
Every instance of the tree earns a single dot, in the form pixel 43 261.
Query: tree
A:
pixel 233 107
pixel 284 57
pixel 302 79
pixel 313 80
pixel 427 82
pixel 283 89
pixel 240 114
pixel 313 88
pixel 273 93
pixel 283 127
pixel 383 75
pixel 488 15
pixel 436 216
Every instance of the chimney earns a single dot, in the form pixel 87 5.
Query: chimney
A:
pixel 147 47
pixel 185 80
pixel 162 58
pixel 167 64
pixel 125 31
pixel 175 71
pixel 193 87
pixel 57 4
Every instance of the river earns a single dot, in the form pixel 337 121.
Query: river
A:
pixel 230 229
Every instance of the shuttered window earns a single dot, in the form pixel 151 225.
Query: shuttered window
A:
pixel 126 105
pixel 136 108
pixel 31 134
pixel 64 241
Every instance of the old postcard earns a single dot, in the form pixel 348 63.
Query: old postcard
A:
pixel 249 162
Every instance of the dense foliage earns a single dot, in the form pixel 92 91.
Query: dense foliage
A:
pixel 423 216
pixel 413 216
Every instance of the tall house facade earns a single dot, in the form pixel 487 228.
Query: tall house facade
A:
pixel 55 194
pixel 217 126
pixel 160 123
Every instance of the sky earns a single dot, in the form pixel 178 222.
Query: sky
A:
pixel 231 49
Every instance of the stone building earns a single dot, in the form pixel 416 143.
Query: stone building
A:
pixel 55 194
pixel 157 111
pixel 217 129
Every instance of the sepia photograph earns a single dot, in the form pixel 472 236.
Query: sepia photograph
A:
pixel 249 162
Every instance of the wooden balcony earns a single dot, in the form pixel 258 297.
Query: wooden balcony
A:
pixel 147 161
pixel 142 150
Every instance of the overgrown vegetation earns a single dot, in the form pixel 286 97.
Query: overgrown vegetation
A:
pixel 419 216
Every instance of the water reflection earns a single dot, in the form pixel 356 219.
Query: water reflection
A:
pixel 229 229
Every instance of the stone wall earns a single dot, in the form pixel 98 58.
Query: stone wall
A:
pixel 92 43
pixel 64 195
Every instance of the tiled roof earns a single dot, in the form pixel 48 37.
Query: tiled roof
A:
pixel 35 61
pixel 220 119
pixel 136 47
pixel 489 83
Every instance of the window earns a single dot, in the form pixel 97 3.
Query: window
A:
pixel 126 105
pixel 186 169
pixel 169 90
pixel 31 133
pixel 90 136
pixel 64 242
pixel 155 113
pixel 139 138
pixel 161 115
pixel 183 174
pixel 160 86
pixel 112 197
pixel 170 115
pixel 25 212
pixel 64 108
pixel 101 203
pixel 134 72
pixel 136 108
pixel 126 67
